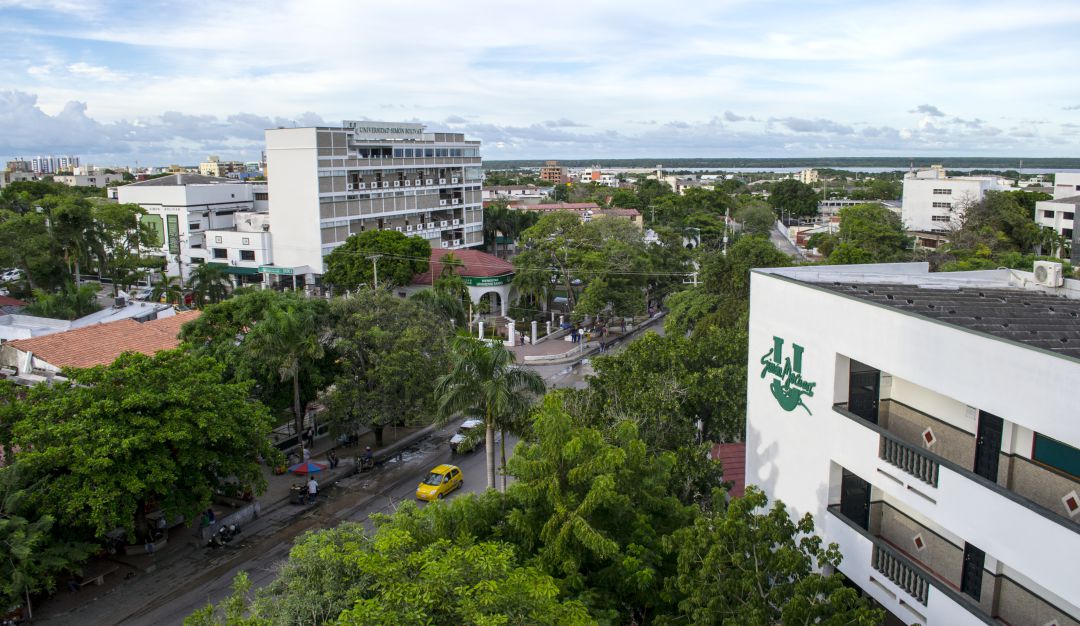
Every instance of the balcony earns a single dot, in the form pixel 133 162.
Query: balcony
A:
pixel 913 569
pixel 902 429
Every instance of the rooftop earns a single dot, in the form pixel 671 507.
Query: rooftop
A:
pixel 1005 304
pixel 1070 200
pixel 101 344
pixel 179 180
pixel 475 264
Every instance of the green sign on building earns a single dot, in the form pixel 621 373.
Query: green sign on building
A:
pixel 174 233
pixel 787 386
pixel 488 281
pixel 270 269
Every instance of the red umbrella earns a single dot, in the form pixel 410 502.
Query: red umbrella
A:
pixel 307 467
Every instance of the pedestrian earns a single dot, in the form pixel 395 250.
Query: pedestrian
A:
pixel 312 489
pixel 306 455
pixel 332 458
pixel 309 436
pixel 210 520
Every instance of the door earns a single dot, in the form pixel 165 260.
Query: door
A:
pixel 864 391
pixel 855 499
pixel 988 445
pixel 971 576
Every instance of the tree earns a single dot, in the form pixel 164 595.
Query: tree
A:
pixel 223 330
pixel 753 565
pixel 794 198
pixel 483 382
pixel 756 218
pixel 209 285
pixel 387 350
pixel 168 289
pixel 69 303
pixel 121 242
pixel 290 337
pixel 870 233
pixel 399 259
pixel 163 431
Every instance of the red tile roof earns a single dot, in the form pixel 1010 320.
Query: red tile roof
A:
pixel 733 457
pixel 9 301
pixel 558 206
pixel 476 265
pixel 101 344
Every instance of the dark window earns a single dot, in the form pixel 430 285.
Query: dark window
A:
pixel 1067 215
pixel 1048 214
pixel 221 253
pixel 1066 233
pixel 864 385
pixel 855 499
pixel 1053 453
pixel 247 255
pixel 197 260
pixel 971 573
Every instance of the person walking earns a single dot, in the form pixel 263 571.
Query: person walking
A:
pixel 332 458
pixel 312 489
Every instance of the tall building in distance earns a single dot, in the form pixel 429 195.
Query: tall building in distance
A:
pixel 214 166
pixel 327 183
pixel 53 164
pixel 928 424
pixel 554 173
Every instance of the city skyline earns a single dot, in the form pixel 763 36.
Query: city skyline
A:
pixel 118 83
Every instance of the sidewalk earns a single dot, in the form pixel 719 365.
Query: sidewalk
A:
pixel 138 574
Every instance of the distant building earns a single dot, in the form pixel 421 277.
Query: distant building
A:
pixel 19 165
pixel 53 164
pixel 1060 213
pixel 214 166
pixel 926 422
pixel 88 180
pixel 515 192
pixel 808 177
pixel 934 202
pixel 8 177
pixel 588 211
pixel 554 173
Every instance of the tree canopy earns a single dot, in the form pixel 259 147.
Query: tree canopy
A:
pixel 400 258
pixel 794 198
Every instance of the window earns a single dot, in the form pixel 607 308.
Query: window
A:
pixel 1048 214
pixel 943 192
pixel 247 255
pixel 939 218
pixel 197 260
pixel 247 242
pixel 942 205
pixel 1068 215
pixel 221 253
pixel 194 226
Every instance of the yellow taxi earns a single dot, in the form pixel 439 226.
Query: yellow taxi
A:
pixel 440 482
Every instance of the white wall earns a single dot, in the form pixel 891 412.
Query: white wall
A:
pixel 292 168
pixel 918 210
pixel 1066 184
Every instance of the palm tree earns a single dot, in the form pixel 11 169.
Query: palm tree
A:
pixel 169 288
pixel 288 336
pixel 484 382
pixel 208 283
pixel 444 305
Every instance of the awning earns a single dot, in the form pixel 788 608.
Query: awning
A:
pixel 235 269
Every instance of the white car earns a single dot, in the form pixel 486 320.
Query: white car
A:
pixel 467 432
pixel 10 275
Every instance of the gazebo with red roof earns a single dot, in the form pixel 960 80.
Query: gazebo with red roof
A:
pixel 483 274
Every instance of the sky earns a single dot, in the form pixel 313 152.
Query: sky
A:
pixel 162 83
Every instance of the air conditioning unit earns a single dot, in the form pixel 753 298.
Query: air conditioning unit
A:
pixel 443 224
pixel 457 242
pixel 1048 274
pixel 442 202
pixel 408 228
pixel 398 228
pixel 386 184
pixel 397 183
pixel 455 201
pixel 442 181
pixel 361 185
pixel 349 186
pixel 429 181
pixel 408 183
pixel 456 222
pixel 453 180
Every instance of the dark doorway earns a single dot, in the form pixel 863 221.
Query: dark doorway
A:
pixel 971 577
pixel 864 391
pixel 988 445
pixel 855 499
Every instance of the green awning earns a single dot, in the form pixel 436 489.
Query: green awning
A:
pixel 235 269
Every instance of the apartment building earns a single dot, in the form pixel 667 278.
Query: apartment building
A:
pixel 88 180
pixel 1060 212
pixel 53 164
pixel 928 423
pixel 195 217
pixel 934 202
pixel 554 173
pixel 327 183
pixel 808 177
pixel 214 166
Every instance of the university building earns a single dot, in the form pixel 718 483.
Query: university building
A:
pixel 934 202
pixel 328 183
pixel 929 424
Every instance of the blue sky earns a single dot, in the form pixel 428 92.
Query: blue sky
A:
pixel 164 83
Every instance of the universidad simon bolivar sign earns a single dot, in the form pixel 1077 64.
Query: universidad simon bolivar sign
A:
pixel 788 385
pixel 488 281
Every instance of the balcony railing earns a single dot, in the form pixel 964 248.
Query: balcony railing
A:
pixel 907 457
pixel 911 580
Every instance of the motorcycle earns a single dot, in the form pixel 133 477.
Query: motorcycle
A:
pixel 364 463
pixel 224 535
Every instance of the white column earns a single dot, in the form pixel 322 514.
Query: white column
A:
pixel 533 338
pixel 511 334
pixel 562 320
pixel 548 327
pixel 481 333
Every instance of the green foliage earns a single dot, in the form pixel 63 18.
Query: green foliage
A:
pixel 387 350
pixel 794 198
pixel 402 257
pixel 67 304
pixel 164 430
pixel 870 233
pixel 756 217
pixel 878 189
pixel 502 221
pixel 754 565
pixel 686 308
pixel 209 285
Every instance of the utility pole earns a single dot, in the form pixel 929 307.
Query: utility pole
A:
pixel 727 217
pixel 375 266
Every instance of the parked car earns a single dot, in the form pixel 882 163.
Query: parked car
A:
pixel 142 294
pixel 11 274
pixel 467 436
pixel 439 482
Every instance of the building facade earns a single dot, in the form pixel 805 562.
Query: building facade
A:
pixel 192 214
pixel 53 164
pixel 214 166
pixel 88 180
pixel 554 173
pixel 328 183
pixel 927 423
pixel 934 202
pixel 1060 212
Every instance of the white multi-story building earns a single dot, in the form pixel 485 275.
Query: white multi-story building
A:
pixel 88 180
pixel 53 164
pixel 928 423
pixel 934 202
pixel 192 214
pixel 1060 212
pixel 328 183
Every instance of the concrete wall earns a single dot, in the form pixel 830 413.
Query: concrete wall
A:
pixel 294 201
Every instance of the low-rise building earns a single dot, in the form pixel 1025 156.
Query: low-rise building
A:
pixel 518 193
pixel 88 180
pixel 1060 213
pixel 927 424
pixel 935 202
pixel 588 211
pixel 214 166
pixel 485 276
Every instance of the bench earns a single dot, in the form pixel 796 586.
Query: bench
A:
pixel 97 576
